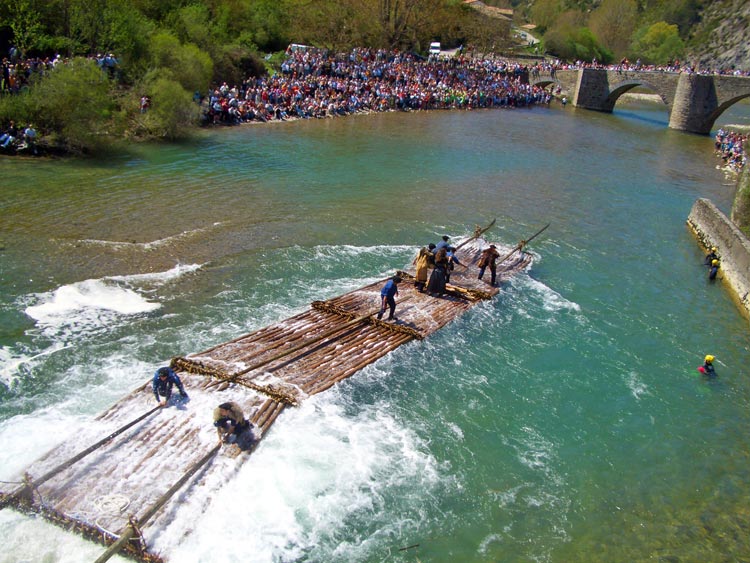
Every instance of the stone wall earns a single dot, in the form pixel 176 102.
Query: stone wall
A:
pixel 713 228
pixel 741 206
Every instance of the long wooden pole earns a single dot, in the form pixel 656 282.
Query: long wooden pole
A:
pixel 130 531
pixel 47 476
pixel 524 243
pixel 477 234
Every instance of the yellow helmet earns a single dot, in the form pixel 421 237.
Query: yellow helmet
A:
pixel 714 249
pixel 709 359
pixel 714 262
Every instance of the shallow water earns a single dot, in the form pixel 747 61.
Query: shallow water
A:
pixel 564 421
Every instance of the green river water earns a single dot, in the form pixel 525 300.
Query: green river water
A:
pixel 563 421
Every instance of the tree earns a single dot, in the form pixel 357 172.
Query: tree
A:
pixel 401 22
pixel 569 39
pixel 23 20
pixel 658 43
pixel 613 23
pixel 190 66
pixel 172 110
pixel 544 13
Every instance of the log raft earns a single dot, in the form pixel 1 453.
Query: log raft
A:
pixel 122 490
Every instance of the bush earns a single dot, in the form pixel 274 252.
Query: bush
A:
pixel 189 65
pixel 575 44
pixel 658 43
pixel 172 112
pixel 75 100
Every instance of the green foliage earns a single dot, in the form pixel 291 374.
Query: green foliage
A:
pixel 658 43
pixel 23 19
pixel 613 23
pixel 77 102
pixel 576 44
pixel 682 13
pixel 172 112
pixel 570 39
pixel 191 66
pixel 544 13
pixel 234 63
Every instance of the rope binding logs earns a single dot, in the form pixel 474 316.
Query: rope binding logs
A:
pixel 277 393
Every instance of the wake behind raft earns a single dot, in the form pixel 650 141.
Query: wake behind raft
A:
pixel 103 488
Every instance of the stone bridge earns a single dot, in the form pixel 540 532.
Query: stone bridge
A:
pixel 694 101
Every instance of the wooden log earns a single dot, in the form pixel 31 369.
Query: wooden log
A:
pixel 28 485
pixel 132 528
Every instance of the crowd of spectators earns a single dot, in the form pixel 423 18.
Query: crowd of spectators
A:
pixel 15 139
pixel 549 67
pixel 16 72
pixel 316 83
pixel 730 146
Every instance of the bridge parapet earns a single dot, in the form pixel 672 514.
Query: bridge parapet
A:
pixel 694 101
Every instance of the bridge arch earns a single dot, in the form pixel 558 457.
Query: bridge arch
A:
pixel 543 82
pixel 623 87
pixel 724 106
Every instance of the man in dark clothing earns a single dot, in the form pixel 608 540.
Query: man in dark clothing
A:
pixel 488 258
pixel 232 426
pixel 164 379
pixel 714 269
pixel 388 297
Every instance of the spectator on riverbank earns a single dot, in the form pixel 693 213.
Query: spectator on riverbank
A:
pixel 9 136
pixel 730 146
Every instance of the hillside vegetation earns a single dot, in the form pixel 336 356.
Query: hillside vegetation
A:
pixel 705 33
pixel 170 49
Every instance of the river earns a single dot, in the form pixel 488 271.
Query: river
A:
pixel 563 421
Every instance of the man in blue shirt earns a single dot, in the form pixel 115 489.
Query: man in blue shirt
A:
pixel 388 297
pixel 164 379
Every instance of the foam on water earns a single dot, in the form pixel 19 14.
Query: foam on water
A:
pixel 14 363
pixel 32 540
pixel 323 472
pixel 26 437
pixel 95 303
pixel 552 300
pixel 151 245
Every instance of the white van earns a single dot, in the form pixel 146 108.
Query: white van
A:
pixel 435 48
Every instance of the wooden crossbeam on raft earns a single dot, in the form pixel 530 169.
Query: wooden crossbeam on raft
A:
pixel 278 393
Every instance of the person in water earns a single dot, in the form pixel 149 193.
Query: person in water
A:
pixel 164 380
pixel 714 269
pixel 388 297
pixel 711 256
pixel 708 366
pixel 488 259
pixel 232 426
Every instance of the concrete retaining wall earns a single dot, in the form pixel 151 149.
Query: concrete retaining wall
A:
pixel 713 228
